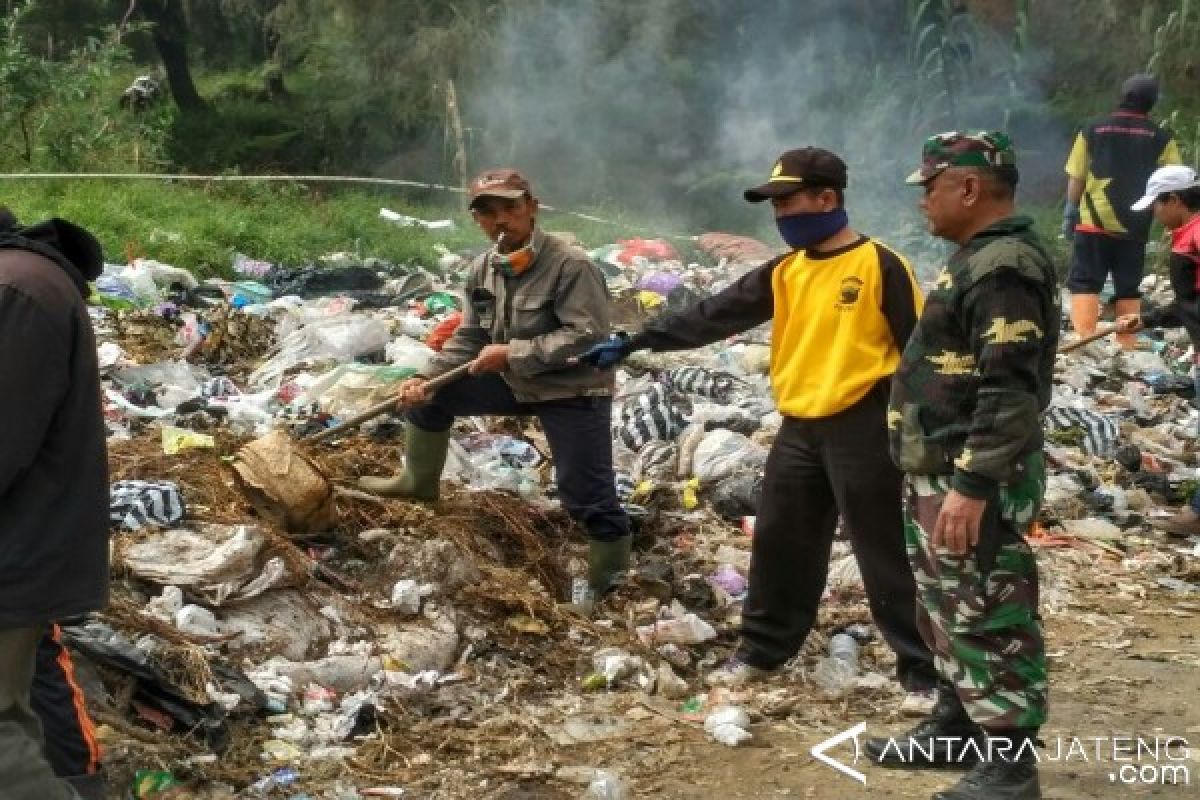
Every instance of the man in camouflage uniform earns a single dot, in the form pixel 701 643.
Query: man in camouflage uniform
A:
pixel 965 429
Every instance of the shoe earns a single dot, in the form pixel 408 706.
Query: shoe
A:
pixel 925 746
pixel 1185 523
pixel 607 563
pixel 919 703
pixel 736 673
pixel 424 458
pixel 1000 778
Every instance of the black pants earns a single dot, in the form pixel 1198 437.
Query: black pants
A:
pixel 816 469
pixel 58 701
pixel 1094 256
pixel 578 430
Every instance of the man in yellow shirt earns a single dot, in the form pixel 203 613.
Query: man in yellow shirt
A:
pixel 843 307
pixel 1107 169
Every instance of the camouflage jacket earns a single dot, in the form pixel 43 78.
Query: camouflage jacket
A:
pixel 976 373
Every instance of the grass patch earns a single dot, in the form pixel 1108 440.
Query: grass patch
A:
pixel 201 226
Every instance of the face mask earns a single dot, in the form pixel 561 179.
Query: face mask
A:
pixel 512 264
pixel 804 230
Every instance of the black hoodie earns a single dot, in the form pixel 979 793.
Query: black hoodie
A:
pixel 53 460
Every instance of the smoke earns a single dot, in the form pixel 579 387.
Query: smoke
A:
pixel 667 109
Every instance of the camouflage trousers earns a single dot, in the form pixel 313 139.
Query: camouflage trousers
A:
pixel 983 624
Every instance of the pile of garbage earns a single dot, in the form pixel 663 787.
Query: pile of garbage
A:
pixel 356 646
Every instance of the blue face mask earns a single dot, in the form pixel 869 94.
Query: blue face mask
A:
pixel 804 230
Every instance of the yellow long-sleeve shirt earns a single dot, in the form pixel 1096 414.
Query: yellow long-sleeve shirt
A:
pixel 841 320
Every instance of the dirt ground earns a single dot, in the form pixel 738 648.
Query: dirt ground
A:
pixel 1098 689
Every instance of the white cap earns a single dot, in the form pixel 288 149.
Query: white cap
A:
pixel 1167 179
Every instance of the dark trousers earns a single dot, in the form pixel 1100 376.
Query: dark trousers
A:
pixel 58 701
pixel 25 773
pixel 578 430
pixel 816 469
pixel 1094 256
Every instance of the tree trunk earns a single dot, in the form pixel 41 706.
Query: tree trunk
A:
pixel 170 38
pixel 273 44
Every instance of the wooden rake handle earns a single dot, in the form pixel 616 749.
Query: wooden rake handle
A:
pixel 1100 334
pixel 432 385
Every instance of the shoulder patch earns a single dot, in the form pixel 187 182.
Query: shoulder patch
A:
pixel 1009 252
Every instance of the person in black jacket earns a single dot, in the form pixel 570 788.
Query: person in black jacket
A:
pixel 53 475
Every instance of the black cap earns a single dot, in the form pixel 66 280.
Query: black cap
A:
pixel 1139 93
pixel 800 169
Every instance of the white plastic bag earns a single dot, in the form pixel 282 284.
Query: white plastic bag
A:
pixel 722 453
pixel 342 337
pixel 688 629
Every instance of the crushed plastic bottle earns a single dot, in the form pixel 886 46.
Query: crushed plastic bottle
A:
pixel 729 725
pixel 605 786
pixel 836 672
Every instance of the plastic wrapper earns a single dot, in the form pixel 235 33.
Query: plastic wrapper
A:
pixel 688 629
pixel 176 440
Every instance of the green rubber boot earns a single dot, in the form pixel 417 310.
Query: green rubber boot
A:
pixel 424 458
pixel 607 561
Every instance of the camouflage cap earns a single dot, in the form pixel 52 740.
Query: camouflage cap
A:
pixel 957 149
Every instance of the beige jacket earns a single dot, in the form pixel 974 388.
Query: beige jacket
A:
pixel 552 312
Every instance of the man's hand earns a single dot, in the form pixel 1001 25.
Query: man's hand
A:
pixel 612 351
pixel 492 358
pixel 1129 323
pixel 958 523
pixel 412 393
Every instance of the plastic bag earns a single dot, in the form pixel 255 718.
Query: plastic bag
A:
pixel 722 453
pixel 408 352
pixel 688 629
pixel 351 388
pixel 442 332
pixel 140 281
pixel 737 496
pixel 656 462
pixel 165 275
pixel 342 337
pixel 134 504
pixel 176 440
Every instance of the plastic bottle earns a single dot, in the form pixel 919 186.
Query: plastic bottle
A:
pixel 837 671
pixel 843 647
pixel 605 786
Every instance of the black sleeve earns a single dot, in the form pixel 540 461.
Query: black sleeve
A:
pixel 1181 311
pixel 899 295
pixel 746 303
pixel 1005 318
pixel 1162 316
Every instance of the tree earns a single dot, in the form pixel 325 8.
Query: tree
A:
pixel 171 39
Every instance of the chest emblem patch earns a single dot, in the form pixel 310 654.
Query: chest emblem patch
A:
pixel 848 293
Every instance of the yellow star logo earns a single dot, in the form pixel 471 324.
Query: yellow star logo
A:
pixel 894 418
pixel 944 280
pixel 951 363
pixel 964 460
pixel 1016 332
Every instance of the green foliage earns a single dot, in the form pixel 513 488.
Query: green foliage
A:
pixel 62 115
